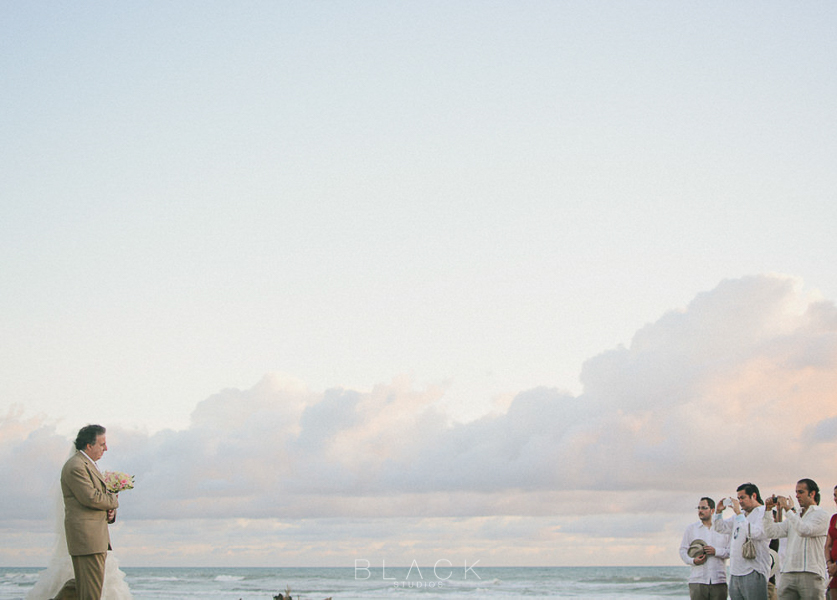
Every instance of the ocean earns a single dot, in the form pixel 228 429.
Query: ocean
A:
pixel 342 583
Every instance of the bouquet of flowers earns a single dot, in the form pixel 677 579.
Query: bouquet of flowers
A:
pixel 116 481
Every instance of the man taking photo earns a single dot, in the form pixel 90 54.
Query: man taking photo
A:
pixel 803 570
pixel 748 574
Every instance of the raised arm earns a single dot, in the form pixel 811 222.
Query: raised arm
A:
pixel 757 530
pixel 722 525
pixel 772 529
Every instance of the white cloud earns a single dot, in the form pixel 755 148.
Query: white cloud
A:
pixel 739 385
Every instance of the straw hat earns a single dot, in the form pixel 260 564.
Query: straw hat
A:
pixel 696 548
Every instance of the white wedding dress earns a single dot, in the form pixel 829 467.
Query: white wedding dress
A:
pixel 60 568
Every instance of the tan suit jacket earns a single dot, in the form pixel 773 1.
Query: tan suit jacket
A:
pixel 86 502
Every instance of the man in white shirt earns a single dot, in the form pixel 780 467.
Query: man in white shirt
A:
pixel 747 576
pixel 708 579
pixel 803 570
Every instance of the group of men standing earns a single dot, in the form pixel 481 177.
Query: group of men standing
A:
pixel 745 538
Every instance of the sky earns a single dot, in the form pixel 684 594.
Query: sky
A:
pixel 508 282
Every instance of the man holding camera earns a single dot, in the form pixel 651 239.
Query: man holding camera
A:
pixel 749 554
pixel 803 571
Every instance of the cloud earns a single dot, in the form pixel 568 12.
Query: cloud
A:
pixel 31 454
pixel 823 432
pixel 739 385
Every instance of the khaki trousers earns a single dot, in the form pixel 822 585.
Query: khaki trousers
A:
pixel 801 586
pixel 706 591
pixel 90 575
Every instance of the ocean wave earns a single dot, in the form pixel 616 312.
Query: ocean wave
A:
pixel 228 583
pixel 16 580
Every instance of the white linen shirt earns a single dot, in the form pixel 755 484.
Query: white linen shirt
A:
pixel 737 528
pixel 714 570
pixel 806 540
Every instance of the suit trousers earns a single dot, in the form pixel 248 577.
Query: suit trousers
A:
pixel 90 575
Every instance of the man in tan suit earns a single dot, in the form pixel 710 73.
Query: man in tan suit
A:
pixel 88 508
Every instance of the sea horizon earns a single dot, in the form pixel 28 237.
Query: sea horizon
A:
pixel 349 583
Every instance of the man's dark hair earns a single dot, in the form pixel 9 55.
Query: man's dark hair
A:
pixel 812 487
pixel 750 489
pixel 709 501
pixel 88 435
